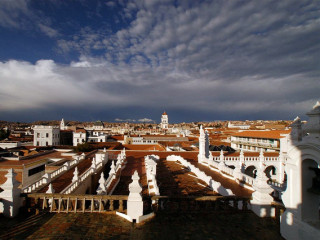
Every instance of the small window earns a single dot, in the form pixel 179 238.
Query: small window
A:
pixel 47 135
pixel 38 135
pixel 36 170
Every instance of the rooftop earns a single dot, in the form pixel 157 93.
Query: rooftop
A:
pixel 274 134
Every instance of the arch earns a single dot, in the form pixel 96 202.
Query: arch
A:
pixel 251 171
pixel 270 171
pixel 310 199
pixel 231 166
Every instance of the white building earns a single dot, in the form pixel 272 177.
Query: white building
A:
pixel 97 136
pixel 164 121
pixel 301 148
pixel 241 126
pixel 255 141
pixel 46 135
pixel 79 137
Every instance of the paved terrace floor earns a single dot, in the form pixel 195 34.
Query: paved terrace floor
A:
pixel 190 225
pixel 172 178
pixel 175 179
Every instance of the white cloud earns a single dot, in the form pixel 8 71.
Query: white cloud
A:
pixel 147 120
pixel 124 120
pixel 49 31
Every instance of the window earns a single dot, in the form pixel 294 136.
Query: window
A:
pixel 38 143
pixel 46 143
pixel 47 135
pixel 38 135
pixel 36 170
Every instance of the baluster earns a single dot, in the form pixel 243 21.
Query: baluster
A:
pixel 36 203
pixel 92 204
pixel 100 204
pixel 44 204
pixel 59 206
pixel 76 205
pixel 83 204
pixel 235 203
pixel 52 202
pixel 68 199
pixel 121 205
pixel 111 205
pixel 244 204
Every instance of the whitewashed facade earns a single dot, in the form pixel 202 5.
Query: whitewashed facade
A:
pixel 46 135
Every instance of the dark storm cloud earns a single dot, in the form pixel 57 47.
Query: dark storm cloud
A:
pixel 238 57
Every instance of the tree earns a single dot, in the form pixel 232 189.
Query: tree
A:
pixel 4 134
pixel 84 147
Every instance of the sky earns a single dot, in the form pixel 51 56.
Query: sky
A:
pixel 197 60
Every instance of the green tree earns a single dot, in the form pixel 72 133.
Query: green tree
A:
pixel 84 147
pixel 4 134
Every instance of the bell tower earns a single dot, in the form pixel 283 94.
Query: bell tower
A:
pixel 164 121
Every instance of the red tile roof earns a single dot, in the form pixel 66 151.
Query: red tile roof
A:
pixel 276 134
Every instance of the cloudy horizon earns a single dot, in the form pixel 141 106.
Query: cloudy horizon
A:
pixel 197 60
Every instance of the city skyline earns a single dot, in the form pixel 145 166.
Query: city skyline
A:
pixel 199 61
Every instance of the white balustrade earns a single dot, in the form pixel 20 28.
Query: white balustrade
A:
pixel 48 177
pixel 150 165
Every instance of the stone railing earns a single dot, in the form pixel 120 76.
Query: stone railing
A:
pixel 251 159
pixel 48 177
pixel 246 179
pixel 77 203
pixel 151 166
pixel 214 164
pixel 278 186
pixel 205 203
pixel 95 167
pixel 227 170
pixel 106 186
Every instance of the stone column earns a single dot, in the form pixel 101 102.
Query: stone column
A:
pixel 261 198
pixel 75 175
pixel 50 190
pixel 102 185
pixel 202 143
pixel 11 201
pixel 280 173
pixel 112 169
pixel 221 163
pixel 239 167
pixel 207 143
pixel 135 203
pixel 93 164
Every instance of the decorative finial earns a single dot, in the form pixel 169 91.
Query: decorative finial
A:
pixel 316 105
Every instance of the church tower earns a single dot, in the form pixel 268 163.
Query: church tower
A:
pixel 62 125
pixel 164 121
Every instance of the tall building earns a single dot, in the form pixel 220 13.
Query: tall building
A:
pixel 164 121
pixel 46 135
